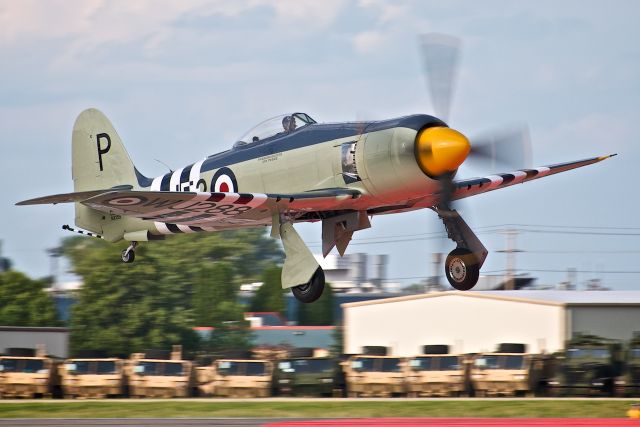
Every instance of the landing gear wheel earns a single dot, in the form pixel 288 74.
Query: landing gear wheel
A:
pixel 312 290
pixel 128 256
pixel 462 269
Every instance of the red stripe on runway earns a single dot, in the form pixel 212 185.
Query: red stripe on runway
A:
pixel 450 422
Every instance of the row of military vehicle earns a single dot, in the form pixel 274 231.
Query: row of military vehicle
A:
pixel 586 368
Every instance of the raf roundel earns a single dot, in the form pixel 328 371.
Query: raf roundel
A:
pixel 224 181
pixel 126 201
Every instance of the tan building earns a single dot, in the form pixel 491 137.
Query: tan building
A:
pixel 474 322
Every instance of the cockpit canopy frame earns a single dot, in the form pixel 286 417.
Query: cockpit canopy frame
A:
pixel 276 126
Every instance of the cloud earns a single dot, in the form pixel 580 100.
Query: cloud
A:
pixel 310 15
pixel 368 41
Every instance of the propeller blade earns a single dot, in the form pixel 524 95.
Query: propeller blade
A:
pixel 508 147
pixel 440 54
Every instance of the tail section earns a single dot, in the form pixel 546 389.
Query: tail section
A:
pixel 100 160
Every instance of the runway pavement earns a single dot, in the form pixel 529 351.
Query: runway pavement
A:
pixel 141 422
pixel 355 422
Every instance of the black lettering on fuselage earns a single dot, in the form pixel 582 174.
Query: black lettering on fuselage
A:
pixel 201 185
pixel 101 150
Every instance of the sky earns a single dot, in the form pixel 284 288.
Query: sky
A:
pixel 182 80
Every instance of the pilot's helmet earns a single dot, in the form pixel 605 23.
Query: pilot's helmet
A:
pixel 285 122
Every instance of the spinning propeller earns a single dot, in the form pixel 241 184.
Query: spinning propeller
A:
pixel 441 150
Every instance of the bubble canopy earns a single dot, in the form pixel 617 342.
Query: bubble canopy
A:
pixel 280 125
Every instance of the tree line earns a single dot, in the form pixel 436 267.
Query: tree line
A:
pixel 172 287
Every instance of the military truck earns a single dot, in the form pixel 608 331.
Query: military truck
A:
pixel 628 382
pixel 436 372
pixel 158 373
pixel 238 378
pixel 509 371
pixel 308 376
pixel 374 374
pixel 96 377
pixel 25 372
pixel 588 366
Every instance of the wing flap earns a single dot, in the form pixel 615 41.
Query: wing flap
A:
pixel 213 209
pixel 473 186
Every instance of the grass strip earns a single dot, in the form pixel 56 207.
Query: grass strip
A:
pixel 319 409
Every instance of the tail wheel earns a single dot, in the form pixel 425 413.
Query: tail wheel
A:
pixel 462 269
pixel 312 290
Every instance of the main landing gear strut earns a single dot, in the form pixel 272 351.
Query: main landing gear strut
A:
pixel 300 272
pixel 462 266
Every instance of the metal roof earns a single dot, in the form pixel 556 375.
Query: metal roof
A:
pixel 573 297
pixel 533 296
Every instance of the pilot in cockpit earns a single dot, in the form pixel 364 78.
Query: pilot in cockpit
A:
pixel 289 123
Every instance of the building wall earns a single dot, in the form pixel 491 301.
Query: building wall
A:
pixel 56 340
pixel 615 322
pixel 467 323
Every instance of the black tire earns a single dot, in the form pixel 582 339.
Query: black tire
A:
pixel 128 257
pixel 462 269
pixel 509 347
pixel 435 349
pixel 312 290
pixel 301 352
pixel 374 350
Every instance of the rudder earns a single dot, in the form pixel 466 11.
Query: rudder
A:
pixel 99 159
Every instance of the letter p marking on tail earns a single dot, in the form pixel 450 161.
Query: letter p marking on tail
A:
pixel 101 150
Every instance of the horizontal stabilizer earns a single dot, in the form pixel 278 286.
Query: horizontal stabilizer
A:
pixel 78 196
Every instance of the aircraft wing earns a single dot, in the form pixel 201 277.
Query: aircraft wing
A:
pixel 202 208
pixel 473 186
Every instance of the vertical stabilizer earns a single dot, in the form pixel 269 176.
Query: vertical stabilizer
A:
pixel 100 160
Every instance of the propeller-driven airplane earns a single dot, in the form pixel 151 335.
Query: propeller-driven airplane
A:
pixel 291 169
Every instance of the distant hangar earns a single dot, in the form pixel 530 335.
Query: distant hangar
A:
pixel 471 322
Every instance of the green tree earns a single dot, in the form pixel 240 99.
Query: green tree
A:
pixel 270 296
pixel 232 333
pixel 170 288
pixel 321 312
pixel 337 348
pixel 213 287
pixel 23 301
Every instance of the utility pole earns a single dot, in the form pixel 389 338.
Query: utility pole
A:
pixel 433 283
pixel 54 255
pixel 511 250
